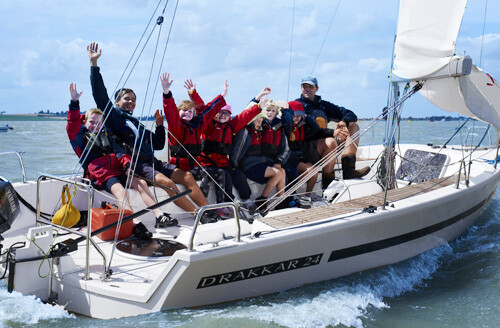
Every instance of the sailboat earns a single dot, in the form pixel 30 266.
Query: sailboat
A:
pixel 420 198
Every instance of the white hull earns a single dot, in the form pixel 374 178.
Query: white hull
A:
pixel 221 269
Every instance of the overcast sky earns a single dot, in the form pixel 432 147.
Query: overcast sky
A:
pixel 247 42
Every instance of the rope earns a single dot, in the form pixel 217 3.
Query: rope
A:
pixel 326 35
pixel 202 168
pixel 87 149
pixel 136 152
pixel 295 184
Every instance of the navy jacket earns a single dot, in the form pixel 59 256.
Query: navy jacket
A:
pixel 327 110
pixel 122 125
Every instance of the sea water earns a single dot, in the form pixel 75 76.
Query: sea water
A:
pixel 456 285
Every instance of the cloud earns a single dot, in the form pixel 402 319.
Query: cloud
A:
pixel 247 42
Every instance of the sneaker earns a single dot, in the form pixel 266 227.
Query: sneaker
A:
pixel 141 232
pixel 210 216
pixel 316 198
pixel 225 212
pixel 165 220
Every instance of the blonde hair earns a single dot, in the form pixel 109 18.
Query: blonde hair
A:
pixel 186 104
pixel 272 104
pixel 92 111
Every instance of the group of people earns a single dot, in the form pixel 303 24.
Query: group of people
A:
pixel 206 143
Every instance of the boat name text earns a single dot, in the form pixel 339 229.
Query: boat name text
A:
pixel 260 271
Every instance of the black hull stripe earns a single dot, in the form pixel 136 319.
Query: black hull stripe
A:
pixel 381 244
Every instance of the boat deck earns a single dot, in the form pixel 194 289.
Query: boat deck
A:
pixel 358 204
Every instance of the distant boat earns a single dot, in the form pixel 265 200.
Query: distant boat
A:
pixel 5 128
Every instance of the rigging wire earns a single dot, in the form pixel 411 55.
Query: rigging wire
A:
pixel 108 108
pixel 131 174
pixel 295 184
pixel 326 36
pixel 290 59
pixel 482 37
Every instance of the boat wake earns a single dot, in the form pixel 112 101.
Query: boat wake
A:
pixel 19 310
pixel 352 301
pixel 346 301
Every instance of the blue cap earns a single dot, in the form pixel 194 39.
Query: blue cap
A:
pixel 309 79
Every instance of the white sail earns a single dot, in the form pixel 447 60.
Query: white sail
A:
pixel 426 37
pixel 425 47
pixel 476 95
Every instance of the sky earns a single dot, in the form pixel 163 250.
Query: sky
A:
pixel 249 43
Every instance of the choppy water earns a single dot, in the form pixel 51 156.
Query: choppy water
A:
pixel 456 285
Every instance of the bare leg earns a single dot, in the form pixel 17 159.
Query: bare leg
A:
pixel 280 187
pixel 187 180
pixel 142 187
pixel 119 192
pixel 274 175
pixel 352 147
pixel 307 167
pixel 183 202
pixel 325 146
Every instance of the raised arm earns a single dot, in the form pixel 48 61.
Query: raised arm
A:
pixel 166 83
pixel 94 53
pixel 194 96
pixel 224 90
pixel 169 106
pixel 74 121
pixel 265 92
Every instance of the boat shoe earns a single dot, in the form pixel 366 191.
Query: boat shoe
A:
pixel 165 220
pixel 141 232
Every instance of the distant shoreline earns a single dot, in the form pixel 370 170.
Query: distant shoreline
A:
pixel 36 117
pixel 29 117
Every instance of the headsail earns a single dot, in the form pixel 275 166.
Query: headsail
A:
pixel 425 44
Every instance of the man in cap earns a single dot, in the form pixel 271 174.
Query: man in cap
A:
pixel 324 111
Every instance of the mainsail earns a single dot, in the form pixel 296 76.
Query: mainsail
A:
pixel 425 44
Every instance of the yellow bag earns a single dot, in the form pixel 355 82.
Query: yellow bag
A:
pixel 67 215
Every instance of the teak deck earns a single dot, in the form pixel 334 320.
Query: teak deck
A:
pixel 331 210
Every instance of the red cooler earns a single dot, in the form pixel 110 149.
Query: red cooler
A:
pixel 103 216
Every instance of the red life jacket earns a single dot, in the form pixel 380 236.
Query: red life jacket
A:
pixel 255 142
pixel 217 143
pixel 297 136
pixel 271 139
pixel 191 142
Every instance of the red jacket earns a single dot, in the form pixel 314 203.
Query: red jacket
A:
pixel 188 134
pixel 218 137
pixel 100 164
